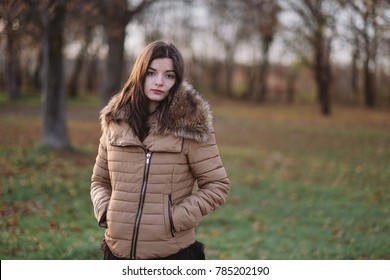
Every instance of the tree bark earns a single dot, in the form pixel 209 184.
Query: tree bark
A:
pixel 290 86
pixel 54 134
pixel 13 71
pixel 229 71
pixel 388 76
pixel 92 76
pixel 116 17
pixel 74 80
pixel 73 84
pixel 115 32
pixel 37 74
pixel 369 92
pixel 317 31
pixel 369 15
pixel 354 68
pixel 323 79
pixel 264 70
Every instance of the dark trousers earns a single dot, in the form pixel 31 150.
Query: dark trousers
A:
pixel 192 252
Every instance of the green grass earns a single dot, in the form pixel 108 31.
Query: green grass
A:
pixel 45 210
pixel 303 186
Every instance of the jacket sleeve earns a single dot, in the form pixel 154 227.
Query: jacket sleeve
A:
pixel 101 184
pixel 213 183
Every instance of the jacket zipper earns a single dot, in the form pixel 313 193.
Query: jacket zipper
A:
pixel 170 215
pixel 140 206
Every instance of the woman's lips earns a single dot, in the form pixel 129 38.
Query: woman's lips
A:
pixel 157 91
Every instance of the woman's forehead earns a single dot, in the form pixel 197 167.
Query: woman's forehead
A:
pixel 165 64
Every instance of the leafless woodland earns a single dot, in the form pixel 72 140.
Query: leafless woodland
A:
pixel 285 51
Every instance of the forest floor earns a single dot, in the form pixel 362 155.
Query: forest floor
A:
pixel 304 186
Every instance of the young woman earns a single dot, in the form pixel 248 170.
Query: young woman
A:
pixel 157 141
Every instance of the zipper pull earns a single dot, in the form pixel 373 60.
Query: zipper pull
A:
pixel 148 155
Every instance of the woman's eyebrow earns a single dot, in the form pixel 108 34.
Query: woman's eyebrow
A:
pixel 151 68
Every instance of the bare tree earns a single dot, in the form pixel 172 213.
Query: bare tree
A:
pixel 383 32
pixel 262 19
pixel 73 83
pixel 228 28
pixel 54 117
pixel 116 15
pixel 79 29
pixel 316 31
pixel 52 16
pixel 267 23
pixel 292 74
pixel 13 11
pixel 92 63
pixel 365 17
pixel 355 57
pixel 387 49
pixel 245 22
pixel 366 12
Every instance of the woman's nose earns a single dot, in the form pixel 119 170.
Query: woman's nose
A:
pixel 159 80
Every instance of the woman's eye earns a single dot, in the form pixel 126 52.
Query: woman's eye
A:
pixel 150 73
pixel 170 76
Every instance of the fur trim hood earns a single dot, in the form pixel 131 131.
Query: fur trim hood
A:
pixel 189 116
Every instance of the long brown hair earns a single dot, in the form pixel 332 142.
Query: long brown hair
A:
pixel 132 94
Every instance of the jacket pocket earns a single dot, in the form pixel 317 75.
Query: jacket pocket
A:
pixel 171 226
pixel 103 220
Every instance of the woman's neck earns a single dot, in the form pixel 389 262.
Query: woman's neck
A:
pixel 152 106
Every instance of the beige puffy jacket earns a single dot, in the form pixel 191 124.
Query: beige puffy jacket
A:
pixel 143 193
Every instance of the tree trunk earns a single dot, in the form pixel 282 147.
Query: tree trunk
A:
pixel 370 47
pixel 73 84
pixel 322 71
pixel 388 76
pixel 74 80
pixel 215 67
pixel 323 89
pixel 13 75
pixel 369 92
pixel 37 75
pixel 229 78
pixel 92 76
pixel 54 133
pixel 291 79
pixel 116 15
pixel 323 85
pixel 251 75
pixel 114 62
pixel 261 91
pixel 264 70
pixel 354 69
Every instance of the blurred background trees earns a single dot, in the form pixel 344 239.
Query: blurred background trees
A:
pixel 316 31
pixel 303 51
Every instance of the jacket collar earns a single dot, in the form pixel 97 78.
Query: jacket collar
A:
pixel 189 117
pixel 120 134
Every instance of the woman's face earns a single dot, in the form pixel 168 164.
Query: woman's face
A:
pixel 160 78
